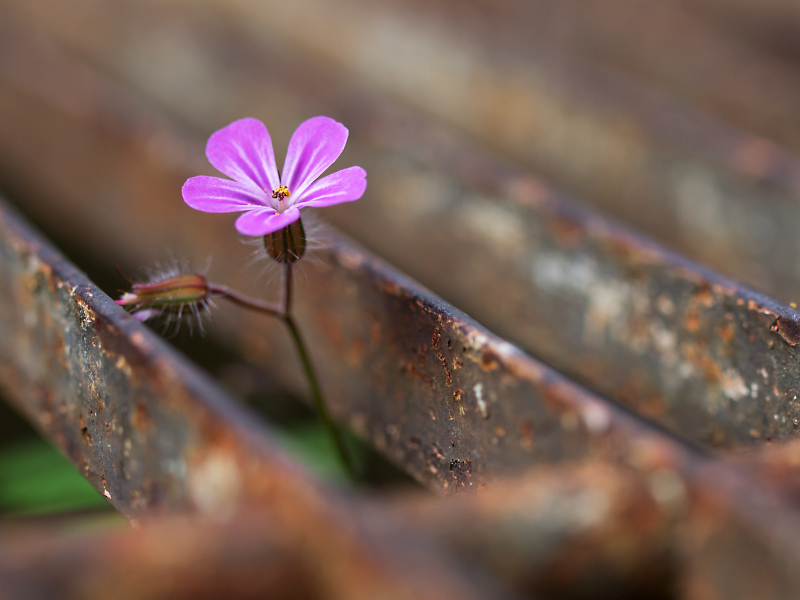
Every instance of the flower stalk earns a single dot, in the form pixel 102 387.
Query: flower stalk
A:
pixel 284 313
pixel 316 391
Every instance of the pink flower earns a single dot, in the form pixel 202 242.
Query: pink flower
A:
pixel 269 201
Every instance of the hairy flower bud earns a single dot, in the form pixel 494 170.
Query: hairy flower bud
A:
pixel 189 288
pixel 172 294
pixel 287 245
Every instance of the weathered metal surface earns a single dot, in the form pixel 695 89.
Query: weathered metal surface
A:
pixel 708 358
pixel 672 341
pixel 388 351
pixel 725 196
pixel 583 530
pixel 249 557
pixel 776 465
pixel 154 436
pixel 448 400
pixel 590 529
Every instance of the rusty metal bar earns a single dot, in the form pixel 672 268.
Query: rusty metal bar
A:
pixel 722 195
pixel 707 358
pixel 579 531
pixel 154 436
pixel 175 557
pixel 379 335
pixel 725 196
pixel 394 338
pixel 575 530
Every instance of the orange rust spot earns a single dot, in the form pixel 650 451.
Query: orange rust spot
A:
pixel 412 370
pixel 703 361
pixel 489 361
pixel 141 417
pixel 527 434
pixel 653 405
pixel 355 353
pixel 726 332
pixel 692 322
pixel 703 296
pixel 448 374
pixel 87 437
pixel 436 338
pixel 461 471
pixel 621 249
pixel 636 392
pixel 710 368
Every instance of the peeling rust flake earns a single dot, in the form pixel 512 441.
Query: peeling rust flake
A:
pixel 788 329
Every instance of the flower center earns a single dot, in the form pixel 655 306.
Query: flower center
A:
pixel 281 193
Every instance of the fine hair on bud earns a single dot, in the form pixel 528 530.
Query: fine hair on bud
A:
pixel 287 245
pixel 317 236
pixel 172 293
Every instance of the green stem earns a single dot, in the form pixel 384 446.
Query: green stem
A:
pixel 284 313
pixel 316 391
pixel 319 401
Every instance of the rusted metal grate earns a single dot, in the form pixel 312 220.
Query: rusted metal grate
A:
pixel 637 455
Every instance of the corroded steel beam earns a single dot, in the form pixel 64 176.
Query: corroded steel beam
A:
pixel 582 530
pixel 155 436
pixel 171 558
pixel 726 196
pixel 536 93
pixel 451 402
pixel 700 354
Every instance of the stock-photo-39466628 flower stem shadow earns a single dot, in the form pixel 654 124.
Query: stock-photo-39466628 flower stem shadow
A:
pixel 270 203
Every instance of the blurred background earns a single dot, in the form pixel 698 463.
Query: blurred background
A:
pixel 679 119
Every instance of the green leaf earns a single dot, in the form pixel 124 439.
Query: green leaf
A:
pixel 35 478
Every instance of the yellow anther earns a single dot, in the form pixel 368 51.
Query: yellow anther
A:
pixel 281 192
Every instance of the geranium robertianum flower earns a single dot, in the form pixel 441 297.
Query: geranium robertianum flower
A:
pixel 271 201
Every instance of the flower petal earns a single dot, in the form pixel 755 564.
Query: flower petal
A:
pixel 243 151
pixel 216 195
pixel 313 148
pixel 343 186
pixel 145 314
pixel 266 220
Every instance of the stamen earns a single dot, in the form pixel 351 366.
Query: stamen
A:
pixel 281 193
